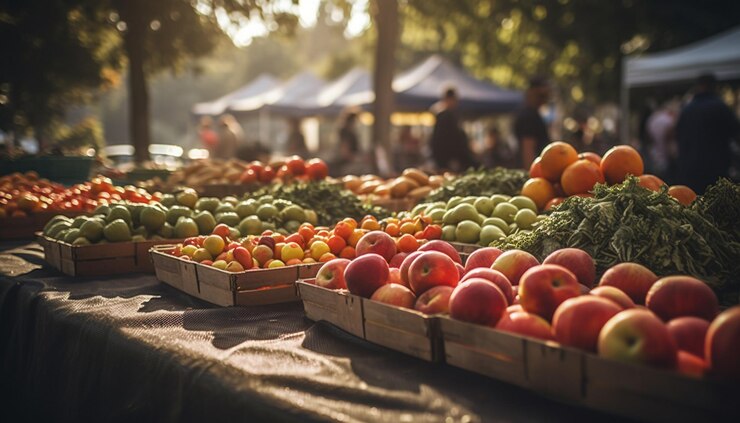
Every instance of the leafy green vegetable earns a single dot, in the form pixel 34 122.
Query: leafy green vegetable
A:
pixel 721 204
pixel 331 202
pixel 629 223
pixel 481 182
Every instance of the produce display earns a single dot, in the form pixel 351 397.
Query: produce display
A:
pixel 631 316
pixel 308 244
pixel 481 220
pixel 236 172
pixel 482 182
pixel 628 223
pixel 560 172
pixel 413 184
pixel 331 202
pixel 24 194
pixel 178 216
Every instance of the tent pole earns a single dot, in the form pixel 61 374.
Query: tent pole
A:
pixel 624 121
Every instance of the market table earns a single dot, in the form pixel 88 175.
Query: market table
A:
pixel 130 348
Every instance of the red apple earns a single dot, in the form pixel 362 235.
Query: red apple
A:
pixel 331 274
pixel 482 257
pixel 406 265
pixel 394 276
pixel 431 269
pixel 633 279
pixel 513 264
pixel 243 256
pixel 365 274
pixel 397 260
pixel 677 296
pixel 689 364
pixel 637 336
pixel 435 300
pixel 578 321
pixel 442 247
pixel 494 276
pixel 722 345
pixel 377 242
pixel 544 287
pixel 577 261
pixel 478 301
pixel 394 294
pixel 613 294
pixel 460 271
pixel 525 324
pixel 689 333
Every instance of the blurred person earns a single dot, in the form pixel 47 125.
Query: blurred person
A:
pixel 705 131
pixel 496 152
pixel 208 136
pixel 449 143
pixel 529 127
pixel 408 149
pixel 661 131
pixel 230 137
pixel 348 159
pixel 348 139
pixel 296 144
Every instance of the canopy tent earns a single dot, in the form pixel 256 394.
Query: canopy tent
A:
pixel 418 88
pixel 339 93
pixel 260 85
pixel 719 55
pixel 297 96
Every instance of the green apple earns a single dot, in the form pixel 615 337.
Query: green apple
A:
pixel 267 212
pixel 294 212
pixel 268 226
pixel 71 235
pixel 176 212
pixel 484 205
pixel 78 221
pixel 224 208
pixel 495 221
pixel 205 221
pixel 138 238
pixel 448 233
pixel 292 226
pixel 117 231
pixel 220 264
pixel 522 202
pixel 228 218
pixel 454 201
pixel 230 199
pixel 462 212
pixel 119 212
pixel 152 217
pixel 525 218
pixel 103 209
pixel 185 228
pixel 250 225
pixel 58 227
pixel 168 200
pixel 437 215
pixel 468 232
pixel 490 233
pixel 418 209
pixel 187 197
pixel 499 198
pixel 505 211
pixel 54 220
pixel 207 203
pixel 266 199
pixel 167 231
pixel 234 233
pixel 140 230
pixel 311 217
pixel 92 230
pixel 81 241
pixel 201 254
pixel 245 208
pixel 281 204
pixel 189 250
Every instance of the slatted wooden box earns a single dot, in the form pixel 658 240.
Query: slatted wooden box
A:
pixel 251 287
pixel 99 259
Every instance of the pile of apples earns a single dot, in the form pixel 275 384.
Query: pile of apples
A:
pixel 308 245
pixel 289 169
pixel 560 171
pixel 24 194
pixel 632 315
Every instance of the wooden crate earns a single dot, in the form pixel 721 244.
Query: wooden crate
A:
pixel 248 288
pixel 401 329
pixel 337 307
pixel 12 228
pixel 585 379
pixel 99 259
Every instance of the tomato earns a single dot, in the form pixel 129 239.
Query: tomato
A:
pixel 316 169
pixel 296 165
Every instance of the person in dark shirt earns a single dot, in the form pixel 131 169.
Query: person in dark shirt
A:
pixel 529 127
pixel 704 132
pixel 449 143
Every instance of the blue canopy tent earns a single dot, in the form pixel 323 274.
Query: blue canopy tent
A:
pixel 295 97
pixel 260 85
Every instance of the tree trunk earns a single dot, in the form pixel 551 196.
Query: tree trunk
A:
pixel 385 13
pixel 138 96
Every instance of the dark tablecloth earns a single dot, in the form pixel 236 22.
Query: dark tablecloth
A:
pixel 132 349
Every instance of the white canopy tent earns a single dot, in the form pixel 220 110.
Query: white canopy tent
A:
pixel 260 85
pixel 719 55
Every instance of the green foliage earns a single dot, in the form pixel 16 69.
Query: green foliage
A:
pixel 481 182
pixel 87 133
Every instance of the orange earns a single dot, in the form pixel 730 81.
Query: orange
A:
pixel 348 253
pixel 392 229
pixel 540 190
pixel 336 244
pixel 306 232
pixel 371 225
pixel 591 156
pixel 326 257
pixel 554 202
pixel 651 182
pixel 535 170
pixel 580 177
pixel 619 162
pixel 343 229
pixel 683 194
pixel 555 158
pixel 350 221
pixel 407 243
pixel 355 237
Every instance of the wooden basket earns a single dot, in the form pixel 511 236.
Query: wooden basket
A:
pixel 99 259
pixel 251 287
pixel 585 379
pixel 397 328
